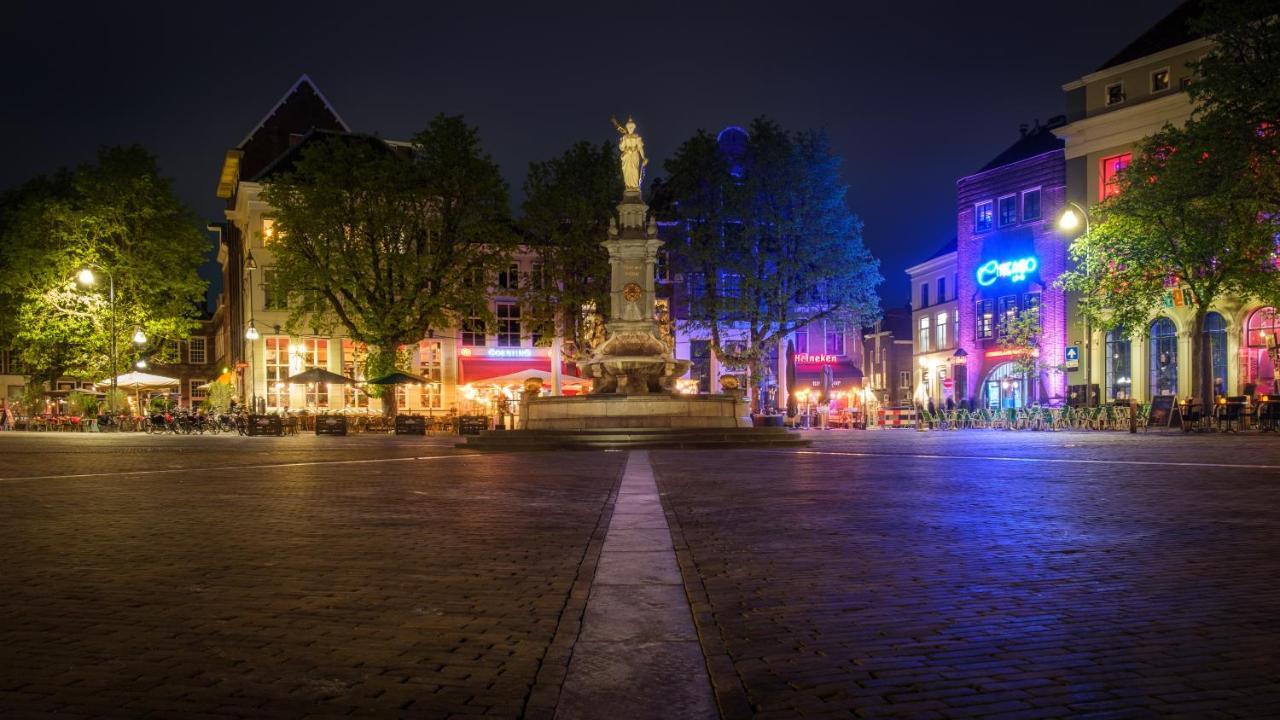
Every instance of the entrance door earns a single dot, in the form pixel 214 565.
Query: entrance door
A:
pixel 1004 391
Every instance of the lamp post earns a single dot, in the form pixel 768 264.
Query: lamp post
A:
pixel 959 359
pixel 251 334
pixel 86 279
pixel 1068 222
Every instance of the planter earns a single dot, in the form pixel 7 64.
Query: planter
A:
pixel 767 420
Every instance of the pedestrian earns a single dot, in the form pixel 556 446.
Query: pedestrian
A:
pixel 4 414
pixel 951 404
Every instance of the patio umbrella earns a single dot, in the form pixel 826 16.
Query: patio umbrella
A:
pixel 398 378
pixel 792 408
pixel 140 381
pixel 828 379
pixel 519 377
pixel 318 375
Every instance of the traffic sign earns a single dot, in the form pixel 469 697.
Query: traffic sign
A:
pixel 948 383
pixel 1073 357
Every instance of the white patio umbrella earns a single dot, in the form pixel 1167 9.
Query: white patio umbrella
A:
pixel 140 381
pixel 519 377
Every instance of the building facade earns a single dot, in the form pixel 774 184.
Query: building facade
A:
pixel 935 326
pixel 465 367
pixel 888 358
pixel 1111 110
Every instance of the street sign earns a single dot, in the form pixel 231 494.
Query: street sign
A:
pixel 1073 357
pixel 948 383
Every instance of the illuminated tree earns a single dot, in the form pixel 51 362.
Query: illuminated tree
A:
pixel 769 244
pixel 118 214
pixel 391 244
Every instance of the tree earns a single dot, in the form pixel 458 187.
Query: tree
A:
pixel 1020 340
pixel 1198 208
pixel 769 243
pixel 119 214
pixel 568 203
pixel 388 244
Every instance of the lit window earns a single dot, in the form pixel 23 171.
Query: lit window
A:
pixel 354 356
pixel 198 394
pixel 940 329
pixel 1160 80
pixel 196 354
pixel 1110 174
pixel 802 340
pixel 1031 205
pixel 268 230
pixel 430 355
pixel 276 364
pixel 983 216
pixel 1008 210
pixel 986 318
pixel 1115 94
pixel 923 335
pixel 314 353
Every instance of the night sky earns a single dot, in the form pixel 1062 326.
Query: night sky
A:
pixel 912 96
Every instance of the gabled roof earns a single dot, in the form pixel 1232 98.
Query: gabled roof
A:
pixel 303 80
pixel 1035 141
pixel 951 246
pixel 1172 30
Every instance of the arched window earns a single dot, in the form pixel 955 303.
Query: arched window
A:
pixel 1119 374
pixel 1164 357
pixel 1215 331
pixel 1263 325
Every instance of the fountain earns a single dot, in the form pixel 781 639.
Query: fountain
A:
pixel 633 402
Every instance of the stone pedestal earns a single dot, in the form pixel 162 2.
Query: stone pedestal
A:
pixel 594 412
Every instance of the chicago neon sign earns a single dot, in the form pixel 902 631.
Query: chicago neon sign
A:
pixel 1015 270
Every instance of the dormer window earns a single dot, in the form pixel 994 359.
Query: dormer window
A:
pixel 1160 80
pixel 1115 94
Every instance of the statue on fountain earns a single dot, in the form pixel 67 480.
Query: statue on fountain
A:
pixel 634 358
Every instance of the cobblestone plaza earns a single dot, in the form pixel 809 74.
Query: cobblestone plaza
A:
pixel 875 574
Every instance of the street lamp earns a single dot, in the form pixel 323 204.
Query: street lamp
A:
pixel 252 335
pixel 141 364
pixel 139 337
pixel 86 278
pixel 1069 221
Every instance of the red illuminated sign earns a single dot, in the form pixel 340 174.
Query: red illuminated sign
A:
pixel 810 358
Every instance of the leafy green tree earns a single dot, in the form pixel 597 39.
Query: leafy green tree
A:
pixel 769 244
pixel 1020 340
pixel 568 203
pixel 119 214
pixel 392 243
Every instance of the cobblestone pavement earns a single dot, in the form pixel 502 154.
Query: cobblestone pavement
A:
pixel 985 574
pixel 319 577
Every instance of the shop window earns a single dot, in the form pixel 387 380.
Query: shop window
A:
pixel 314 353
pixel 1118 365
pixel 1008 210
pixel 1215 331
pixel 983 216
pixel 275 363
pixel 1164 357
pixel 430 366
pixel 1031 205
pixel 1110 174
pixel 354 355
pixel 1263 326
pixel 508 325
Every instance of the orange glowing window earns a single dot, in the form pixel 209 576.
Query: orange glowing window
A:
pixel 1110 175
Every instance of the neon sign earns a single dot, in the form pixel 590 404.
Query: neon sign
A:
pixel 815 358
pixel 1015 270
pixel 500 352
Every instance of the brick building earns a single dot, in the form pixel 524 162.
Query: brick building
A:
pixel 887 358
pixel 1009 253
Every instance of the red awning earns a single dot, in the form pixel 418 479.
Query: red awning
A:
pixel 846 376
pixel 474 370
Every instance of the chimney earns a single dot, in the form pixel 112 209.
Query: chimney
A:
pixel 1023 129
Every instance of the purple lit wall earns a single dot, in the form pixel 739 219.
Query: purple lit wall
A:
pixel 1011 242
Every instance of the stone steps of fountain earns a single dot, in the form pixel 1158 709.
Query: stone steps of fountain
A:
pixel 625 438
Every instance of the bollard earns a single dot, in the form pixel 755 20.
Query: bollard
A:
pixel 1133 415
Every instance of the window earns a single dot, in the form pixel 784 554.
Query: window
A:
pixel 904 381
pixel 430 364
pixel 986 317
pixel 1031 304
pixel 1215 331
pixel 835 338
pixel 922 337
pixel 268 230
pixel 1110 174
pixel 940 330
pixel 730 285
pixel 802 340
pixel 700 363
pixel 314 353
pixel 509 279
pixel 1008 210
pixel 924 295
pixel 275 362
pixel 1008 309
pixel 354 355
pixel 982 216
pixel 1164 357
pixel 1160 80
pixel 1114 94
pixel 274 296
pixel 473 333
pixel 537 276
pixel 197 394
pixel 196 354
pixel 662 267
pixel 508 325
pixel 1031 205
pixel 1119 376
pixel 942 289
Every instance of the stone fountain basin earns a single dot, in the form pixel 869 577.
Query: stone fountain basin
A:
pixel 653 410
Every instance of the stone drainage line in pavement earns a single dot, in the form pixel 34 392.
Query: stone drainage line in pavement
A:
pixel 637 655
